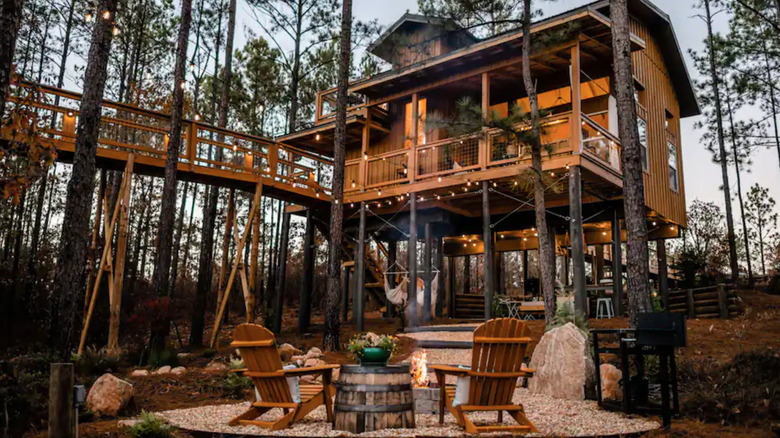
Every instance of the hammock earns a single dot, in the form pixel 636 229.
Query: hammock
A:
pixel 398 295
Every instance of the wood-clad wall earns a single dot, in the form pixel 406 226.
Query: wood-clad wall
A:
pixel 659 98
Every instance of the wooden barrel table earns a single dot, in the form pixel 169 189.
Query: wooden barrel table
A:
pixel 373 398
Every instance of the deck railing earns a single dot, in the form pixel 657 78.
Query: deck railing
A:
pixel 144 132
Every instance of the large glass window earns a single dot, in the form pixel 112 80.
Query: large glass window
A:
pixel 642 127
pixel 674 183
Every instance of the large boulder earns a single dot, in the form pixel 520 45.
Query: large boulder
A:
pixel 286 351
pixel 563 364
pixel 610 382
pixel 109 395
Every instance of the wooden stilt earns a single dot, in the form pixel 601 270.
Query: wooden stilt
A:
pixel 617 265
pixel 345 294
pixel 427 266
pixel 307 282
pixel 392 258
pixel 281 272
pixel 663 273
pixel 95 232
pixel 487 239
pixel 360 271
pixel 440 278
pixel 225 246
pixel 451 291
pixel 577 242
pixel 412 256
pixel 119 267
pixel 237 265
pixel 598 264
pixel 254 261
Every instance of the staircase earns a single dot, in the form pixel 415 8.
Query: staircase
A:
pixel 470 306
pixel 375 281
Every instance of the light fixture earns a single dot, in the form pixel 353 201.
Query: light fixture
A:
pixel 70 113
pixel 525 239
pixel 468 182
pixel 495 184
pixel 197 117
pixel 379 192
pixel 89 17
pixel 438 179
pixel 353 183
pixel 351 205
pixel 672 228
pixel 438 197
pixel 604 233
pixel 116 31
pixel 465 245
pixel 552 174
pixel 107 15
pixel 653 223
pixel 184 85
pixel 336 201
pixel 317 137
pixel 365 156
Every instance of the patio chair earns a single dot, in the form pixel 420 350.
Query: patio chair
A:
pixel 276 386
pixel 499 350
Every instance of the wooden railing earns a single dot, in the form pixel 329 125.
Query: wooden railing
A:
pixel 205 148
pixel 599 143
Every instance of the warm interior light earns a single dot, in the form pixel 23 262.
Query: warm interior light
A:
pixel 107 15
pixel 317 137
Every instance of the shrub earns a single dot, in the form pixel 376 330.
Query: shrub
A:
pixel 167 356
pixel 566 313
pixel 94 361
pixel 237 363
pixel 151 426
pixel 24 386
pixel 234 385
pixel 743 391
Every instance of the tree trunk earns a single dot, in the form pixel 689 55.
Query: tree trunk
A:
pixel 188 241
pixel 178 231
pixel 296 70
pixel 633 183
pixel 735 152
pixel 69 277
pixel 721 149
pixel 330 340
pixel 162 265
pixel 206 260
pixel 546 254
pixel 10 14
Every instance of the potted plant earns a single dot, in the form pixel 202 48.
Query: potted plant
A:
pixel 372 349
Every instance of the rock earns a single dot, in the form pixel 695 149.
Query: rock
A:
pixel 109 395
pixel 163 370
pixel 179 371
pixel 216 367
pixel 564 367
pixel 183 355
pixel 286 351
pixel 296 358
pixel 610 382
pixel 314 353
pixel 139 373
pixel 313 362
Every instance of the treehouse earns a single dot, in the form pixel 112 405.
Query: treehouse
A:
pixel 412 171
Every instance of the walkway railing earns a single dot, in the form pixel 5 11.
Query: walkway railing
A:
pixel 205 148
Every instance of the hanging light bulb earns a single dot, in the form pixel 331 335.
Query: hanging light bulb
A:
pixel 317 137
pixel 197 117
pixel 183 85
pixel 107 15
pixel 438 179
pixel 336 201
pixel 116 31
pixel 365 155
pixel 353 183
pixel 379 192
pixel 438 197
pixel 89 17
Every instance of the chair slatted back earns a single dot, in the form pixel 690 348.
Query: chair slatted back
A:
pixel 257 346
pixel 499 347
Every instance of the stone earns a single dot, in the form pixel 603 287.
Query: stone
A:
pixel 109 395
pixel 215 367
pixel 139 373
pixel 314 353
pixel 286 351
pixel 563 364
pixel 163 370
pixel 610 382
pixel 313 362
pixel 183 355
pixel 178 371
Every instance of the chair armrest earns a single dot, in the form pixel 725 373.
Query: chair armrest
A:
pixel 239 370
pixel 449 369
pixel 529 371
pixel 499 375
pixel 311 370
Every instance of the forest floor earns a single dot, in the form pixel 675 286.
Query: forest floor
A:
pixel 709 340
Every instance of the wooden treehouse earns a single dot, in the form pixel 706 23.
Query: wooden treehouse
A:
pixel 409 178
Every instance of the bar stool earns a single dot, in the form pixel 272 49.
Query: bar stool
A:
pixel 604 308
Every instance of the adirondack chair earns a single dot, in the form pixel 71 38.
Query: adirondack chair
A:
pixel 499 349
pixel 257 346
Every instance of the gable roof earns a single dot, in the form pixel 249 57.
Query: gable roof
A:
pixel 382 45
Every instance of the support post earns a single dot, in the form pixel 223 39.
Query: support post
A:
pixel 487 239
pixel 451 291
pixel 115 299
pixel 525 272
pixel 617 264
pixel 439 277
pixel 484 153
pixel 413 153
pixel 345 295
pixel 281 273
pixel 366 138
pixel 392 257
pixel 427 266
pixel 360 271
pixel 598 264
pixel 723 301
pixel 307 282
pixel 576 103
pixel 412 256
pixel 663 273
pixel 577 243
pixel 467 274
pixel 62 423
pixel 254 252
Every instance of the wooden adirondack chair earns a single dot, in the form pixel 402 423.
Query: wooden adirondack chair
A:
pixel 499 349
pixel 257 346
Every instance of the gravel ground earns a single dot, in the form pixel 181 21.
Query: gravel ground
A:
pixel 553 417
pixel 441 336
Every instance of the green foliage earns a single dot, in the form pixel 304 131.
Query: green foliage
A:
pixel 566 313
pixel 657 302
pixel 237 363
pixel 702 256
pixel 499 310
pixel 372 340
pixel 234 385
pixel 94 361
pixel 24 384
pixel 745 391
pixel 151 426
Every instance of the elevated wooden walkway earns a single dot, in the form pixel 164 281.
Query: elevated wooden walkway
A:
pixel 209 155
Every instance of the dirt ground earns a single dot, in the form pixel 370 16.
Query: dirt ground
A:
pixel 757 327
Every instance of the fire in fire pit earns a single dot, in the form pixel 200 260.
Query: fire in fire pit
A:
pixel 419 361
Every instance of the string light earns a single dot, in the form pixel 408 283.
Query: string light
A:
pixel 438 179
pixel 353 183
pixel 107 15
pixel 653 223
pixel 336 201
pixel 89 17
pixel 197 117
pixel 379 192
pixel 317 137
pixel 184 85
pixel 70 113
pixel 438 197
pixel 116 32
pixel 365 156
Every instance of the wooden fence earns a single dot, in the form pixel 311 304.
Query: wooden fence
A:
pixel 704 302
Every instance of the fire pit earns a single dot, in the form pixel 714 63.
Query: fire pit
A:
pixel 426 395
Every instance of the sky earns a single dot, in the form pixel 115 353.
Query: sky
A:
pixel 702 175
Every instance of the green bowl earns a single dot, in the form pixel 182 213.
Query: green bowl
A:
pixel 374 356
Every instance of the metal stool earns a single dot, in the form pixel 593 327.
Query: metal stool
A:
pixel 604 308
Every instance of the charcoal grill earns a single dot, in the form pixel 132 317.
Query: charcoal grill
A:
pixel 656 334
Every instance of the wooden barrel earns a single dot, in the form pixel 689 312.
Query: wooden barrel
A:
pixel 373 398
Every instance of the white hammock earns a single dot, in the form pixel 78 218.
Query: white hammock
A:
pixel 399 294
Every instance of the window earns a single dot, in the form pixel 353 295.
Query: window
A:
pixel 642 128
pixel 422 105
pixel 673 179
